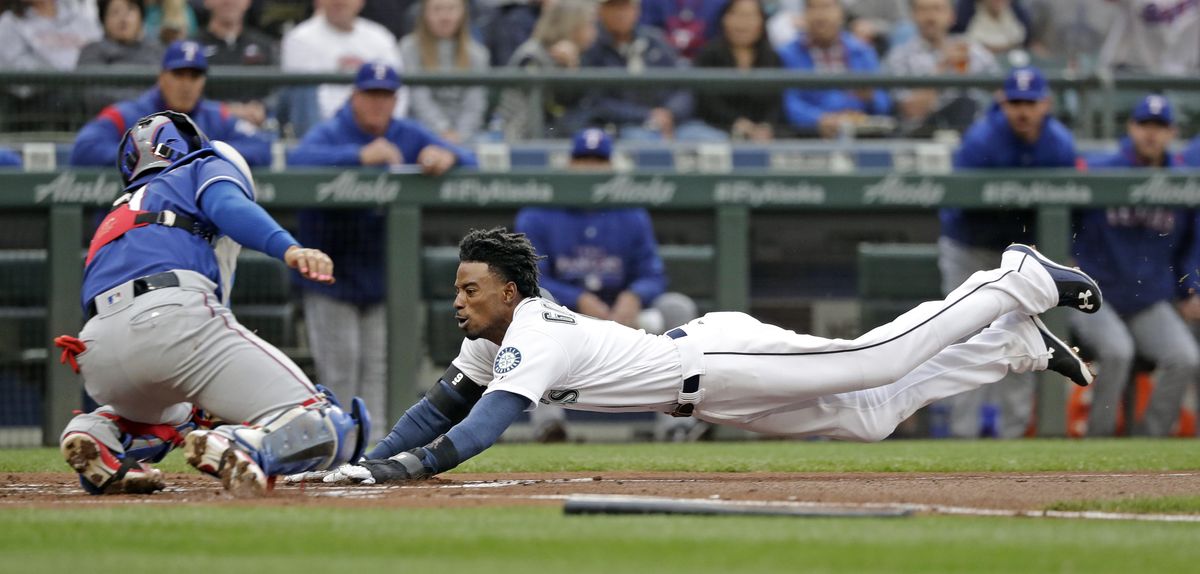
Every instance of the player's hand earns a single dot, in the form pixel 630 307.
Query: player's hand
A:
pixel 1189 308
pixel 349 473
pixel 380 152
pixel 310 476
pixel 626 308
pixel 435 160
pixel 313 264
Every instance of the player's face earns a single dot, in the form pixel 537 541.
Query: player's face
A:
pixel 373 110
pixel 1026 117
pixel 483 302
pixel 1151 140
pixel 181 89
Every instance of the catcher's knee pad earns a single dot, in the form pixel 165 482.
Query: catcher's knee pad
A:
pixel 304 438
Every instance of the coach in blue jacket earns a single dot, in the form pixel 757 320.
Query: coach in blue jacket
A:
pixel 180 88
pixel 1139 255
pixel 825 48
pixel 1017 133
pixel 346 320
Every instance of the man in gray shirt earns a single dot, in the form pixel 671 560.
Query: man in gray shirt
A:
pixel 935 51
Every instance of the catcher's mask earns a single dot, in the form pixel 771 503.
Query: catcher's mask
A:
pixel 155 142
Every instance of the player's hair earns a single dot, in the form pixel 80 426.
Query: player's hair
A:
pixel 509 255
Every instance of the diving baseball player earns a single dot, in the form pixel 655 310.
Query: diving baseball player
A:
pixel 160 342
pixel 725 368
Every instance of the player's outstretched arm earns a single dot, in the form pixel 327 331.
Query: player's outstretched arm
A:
pixel 480 430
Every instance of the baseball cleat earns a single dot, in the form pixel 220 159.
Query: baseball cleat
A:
pixel 101 472
pixel 1075 288
pixel 241 476
pixel 203 449
pixel 1064 359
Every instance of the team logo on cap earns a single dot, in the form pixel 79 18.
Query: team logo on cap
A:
pixel 1156 104
pixel 507 360
pixel 1024 79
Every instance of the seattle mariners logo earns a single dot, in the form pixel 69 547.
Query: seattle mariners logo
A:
pixel 507 360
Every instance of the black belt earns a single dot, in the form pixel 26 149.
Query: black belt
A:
pixel 690 384
pixel 143 285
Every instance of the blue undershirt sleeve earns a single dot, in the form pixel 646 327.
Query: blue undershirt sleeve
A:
pixel 237 216
pixel 494 413
pixel 420 424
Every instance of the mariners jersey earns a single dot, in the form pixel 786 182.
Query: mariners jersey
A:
pixel 153 249
pixel 554 356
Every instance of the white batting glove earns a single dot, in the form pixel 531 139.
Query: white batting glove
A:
pixel 311 476
pixel 350 473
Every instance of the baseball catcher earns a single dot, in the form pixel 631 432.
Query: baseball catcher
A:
pixel 160 345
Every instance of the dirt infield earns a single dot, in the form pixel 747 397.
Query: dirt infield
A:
pixel 980 491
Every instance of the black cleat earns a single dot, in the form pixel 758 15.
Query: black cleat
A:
pixel 1064 359
pixel 1075 288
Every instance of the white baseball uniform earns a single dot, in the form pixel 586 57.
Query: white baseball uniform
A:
pixel 771 380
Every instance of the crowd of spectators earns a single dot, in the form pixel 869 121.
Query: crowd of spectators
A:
pixel 911 37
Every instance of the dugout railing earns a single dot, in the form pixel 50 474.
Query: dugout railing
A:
pixel 732 201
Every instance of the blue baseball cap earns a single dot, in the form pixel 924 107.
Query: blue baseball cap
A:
pixel 377 76
pixel 184 54
pixel 592 142
pixel 1025 84
pixel 1154 108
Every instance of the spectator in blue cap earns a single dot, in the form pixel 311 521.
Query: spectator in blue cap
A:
pixel 1016 133
pixel 605 263
pixel 347 320
pixel 1139 255
pixel 180 88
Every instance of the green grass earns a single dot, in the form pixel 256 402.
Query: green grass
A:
pixel 295 537
pixel 787 456
pixel 1155 505
pixel 524 539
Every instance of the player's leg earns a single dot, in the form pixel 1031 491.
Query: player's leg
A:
pixel 957 262
pixel 1012 344
pixel 372 384
pixel 760 363
pixel 334 329
pixel 94 445
pixel 1162 336
pixel 1110 342
pixel 549 423
pixel 233 374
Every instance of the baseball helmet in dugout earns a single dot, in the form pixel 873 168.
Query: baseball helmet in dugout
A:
pixel 155 142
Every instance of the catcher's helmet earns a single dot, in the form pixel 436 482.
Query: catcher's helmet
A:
pixel 155 142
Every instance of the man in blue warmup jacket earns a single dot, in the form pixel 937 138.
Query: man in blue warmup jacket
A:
pixel 347 320
pixel 180 88
pixel 604 263
pixel 1016 133
pixel 825 48
pixel 1139 254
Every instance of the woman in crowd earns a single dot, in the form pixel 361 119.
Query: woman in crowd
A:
pixel 124 43
pixel 742 44
pixel 442 41
pixel 564 31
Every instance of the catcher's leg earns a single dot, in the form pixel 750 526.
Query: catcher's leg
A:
pixel 314 436
pixel 107 450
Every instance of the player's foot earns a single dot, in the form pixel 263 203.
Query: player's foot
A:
pixel 1064 359
pixel 242 476
pixel 1075 288
pixel 101 472
pixel 215 454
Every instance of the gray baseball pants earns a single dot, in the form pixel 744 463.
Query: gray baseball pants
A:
pixel 149 359
pixel 1157 333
